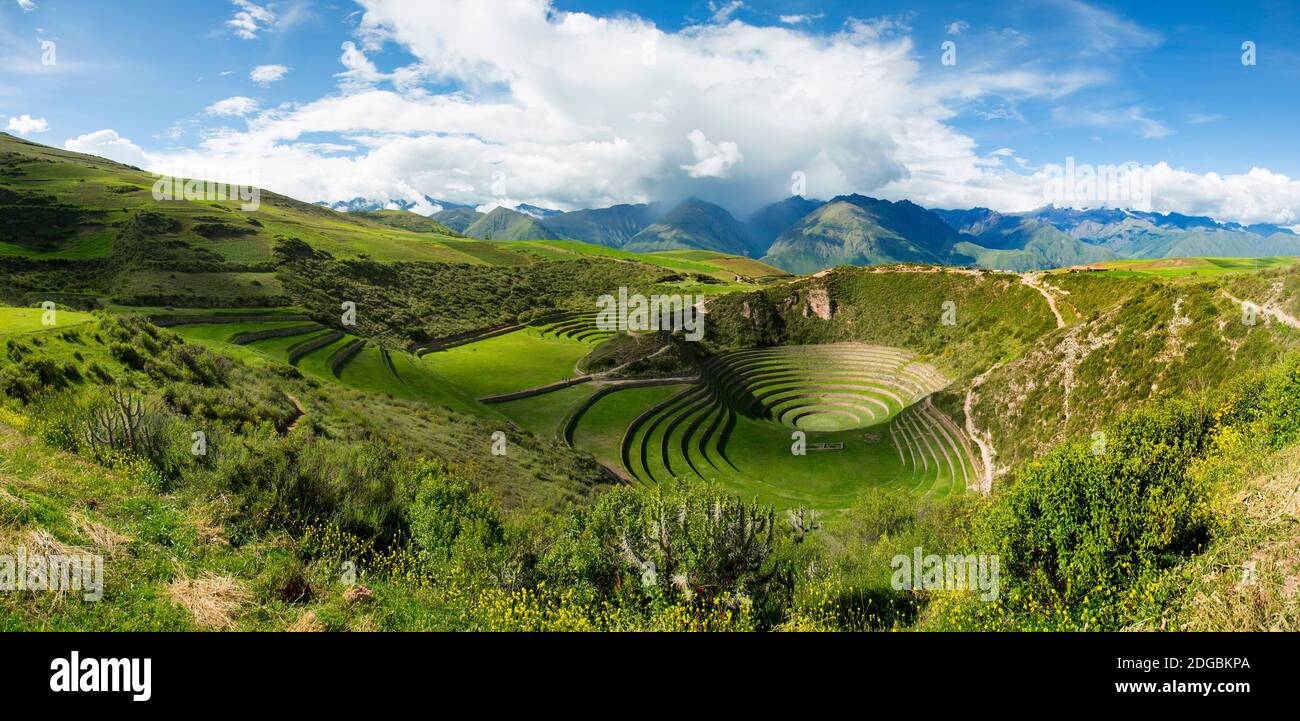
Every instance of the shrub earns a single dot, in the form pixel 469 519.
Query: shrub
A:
pixel 686 541
pixel 1076 522
pixel 448 513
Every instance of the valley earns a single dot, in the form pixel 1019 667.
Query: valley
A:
pixel 449 412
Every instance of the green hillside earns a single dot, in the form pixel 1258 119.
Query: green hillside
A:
pixel 407 220
pixel 692 225
pixel 856 230
pixel 506 224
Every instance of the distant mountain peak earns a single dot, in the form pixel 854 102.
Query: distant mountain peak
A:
pixel 537 212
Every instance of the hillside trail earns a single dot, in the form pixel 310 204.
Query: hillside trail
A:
pixel 1033 281
pixel 985 446
pixel 302 412
pixel 1268 309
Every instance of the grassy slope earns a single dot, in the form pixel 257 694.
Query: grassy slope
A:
pixel 511 362
pixel 29 320
pixel 407 220
pixel 1190 267
pixel 601 428
pixel 1139 338
pixel 98 186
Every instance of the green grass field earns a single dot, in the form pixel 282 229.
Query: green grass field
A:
pixel 864 413
pixel 542 414
pixel 101 195
pixel 15 321
pixel 1183 267
pixel 600 429
pixel 510 362
pixel 401 375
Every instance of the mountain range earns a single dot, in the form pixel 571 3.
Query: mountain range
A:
pixel 803 235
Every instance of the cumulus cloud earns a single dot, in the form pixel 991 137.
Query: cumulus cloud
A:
pixel 957 27
pixel 712 160
pixel 267 74
pixel 108 144
pixel 250 19
pixel 237 106
pixel 572 111
pixel 26 125
pixel 27 5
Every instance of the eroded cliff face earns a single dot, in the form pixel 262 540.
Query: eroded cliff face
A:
pixel 819 301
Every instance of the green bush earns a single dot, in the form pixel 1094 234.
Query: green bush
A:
pixel 1078 522
pixel 683 542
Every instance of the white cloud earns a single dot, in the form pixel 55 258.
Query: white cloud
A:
pixel 267 74
pixel 361 74
pixel 800 19
pixel 27 5
pixel 237 106
pixel 956 27
pixel 722 11
pixel 711 160
pixel 568 107
pixel 250 19
pixel 26 125
pixel 1105 31
pixel 1133 118
pixel 108 144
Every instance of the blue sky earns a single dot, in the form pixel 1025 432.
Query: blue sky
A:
pixel 441 98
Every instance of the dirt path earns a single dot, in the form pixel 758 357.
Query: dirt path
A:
pixel 985 481
pixel 1268 310
pixel 302 413
pixel 1033 281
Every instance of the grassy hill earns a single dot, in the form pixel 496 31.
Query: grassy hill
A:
pixel 506 224
pixel 104 196
pixel 407 220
